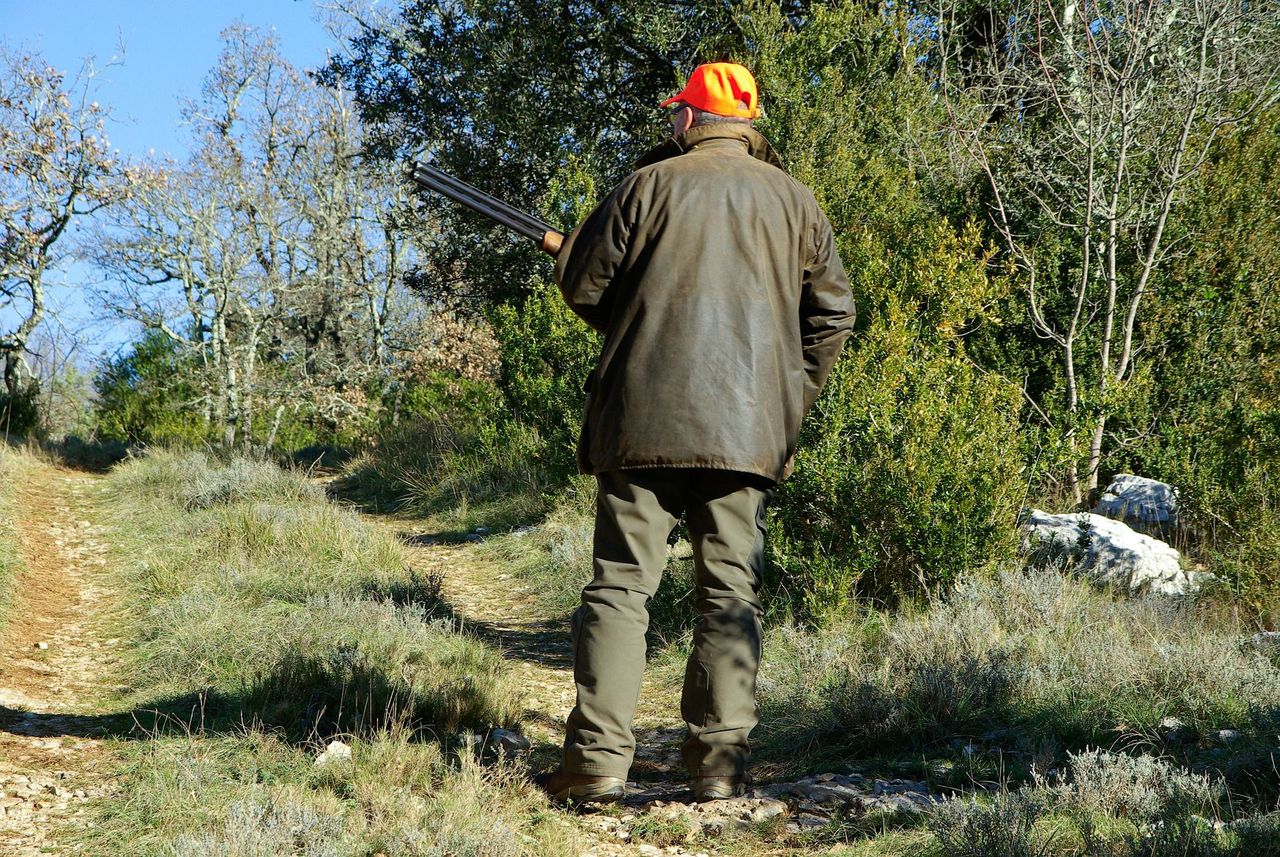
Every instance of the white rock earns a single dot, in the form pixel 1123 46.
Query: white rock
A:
pixel 335 752
pixel 42 646
pixel 1108 552
pixel 1143 504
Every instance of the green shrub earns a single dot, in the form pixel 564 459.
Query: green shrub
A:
pixel 1001 828
pixel 148 395
pixel 547 353
pixel 1112 805
pixel 909 469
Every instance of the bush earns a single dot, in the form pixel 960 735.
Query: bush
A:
pixel 146 395
pixel 909 471
pixel 1002 828
pixel 547 353
pixel 1113 805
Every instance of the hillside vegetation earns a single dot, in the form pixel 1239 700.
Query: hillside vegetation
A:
pixel 269 621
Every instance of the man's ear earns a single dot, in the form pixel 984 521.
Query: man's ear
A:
pixel 684 121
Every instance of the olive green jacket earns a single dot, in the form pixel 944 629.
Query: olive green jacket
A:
pixel 715 280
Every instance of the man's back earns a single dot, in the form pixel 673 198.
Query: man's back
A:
pixel 714 277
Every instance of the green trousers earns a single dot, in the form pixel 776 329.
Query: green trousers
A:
pixel 636 511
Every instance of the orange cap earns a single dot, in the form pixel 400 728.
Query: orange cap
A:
pixel 721 88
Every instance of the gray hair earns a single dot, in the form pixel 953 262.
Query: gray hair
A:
pixel 702 117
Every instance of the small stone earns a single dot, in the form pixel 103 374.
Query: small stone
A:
pixel 1265 640
pixel 507 743
pixel 768 809
pixel 41 645
pixel 807 821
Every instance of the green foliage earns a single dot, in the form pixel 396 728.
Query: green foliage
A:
pixel 908 469
pixel 501 94
pixel 547 353
pixel 908 472
pixel 1210 422
pixel 148 395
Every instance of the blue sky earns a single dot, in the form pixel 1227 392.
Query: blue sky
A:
pixel 165 49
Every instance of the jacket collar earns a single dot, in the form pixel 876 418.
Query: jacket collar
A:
pixel 757 146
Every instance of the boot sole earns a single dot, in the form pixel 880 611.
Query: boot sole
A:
pixel 710 793
pixel 604 793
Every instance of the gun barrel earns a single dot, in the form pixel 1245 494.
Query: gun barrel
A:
pixel 483 203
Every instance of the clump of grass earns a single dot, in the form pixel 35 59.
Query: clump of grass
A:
pixel 249 792
pixel 1017 655
pixel 1108 805
pixel 253 589
pixel 464 474
pixel 195 480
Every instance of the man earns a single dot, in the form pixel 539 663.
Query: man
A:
pixel 714 278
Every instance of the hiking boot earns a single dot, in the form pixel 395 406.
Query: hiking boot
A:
pixel 567 788
pixel 717 788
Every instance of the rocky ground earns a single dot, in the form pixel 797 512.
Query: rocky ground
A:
pixel 55 661
pixel 493 605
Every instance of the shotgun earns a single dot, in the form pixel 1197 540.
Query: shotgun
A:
pixel 548 239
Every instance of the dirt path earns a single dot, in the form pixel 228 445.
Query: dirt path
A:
pixel 494 606
pixel 54 663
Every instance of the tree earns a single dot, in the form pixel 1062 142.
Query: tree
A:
pixel 1089 122
pixel 505 95
pixel 273 254
pixel 55 166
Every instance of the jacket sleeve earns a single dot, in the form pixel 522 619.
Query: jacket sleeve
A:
pixel 591 255
pixel 826 311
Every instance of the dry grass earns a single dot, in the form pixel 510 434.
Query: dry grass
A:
pixel 1019 660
